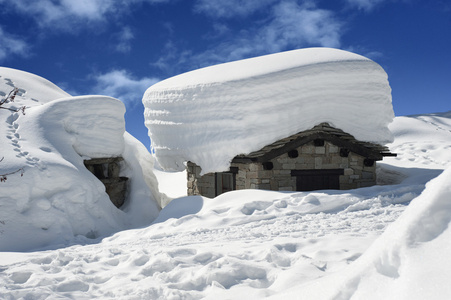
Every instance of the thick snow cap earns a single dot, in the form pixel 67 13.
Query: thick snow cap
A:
pixel 210 115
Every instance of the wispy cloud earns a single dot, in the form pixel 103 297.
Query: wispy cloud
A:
pixel 122 85
pixel 298 25
pixel 11 45
pixel 174 59
pixel 63 14
pixel 230 8
pixel 288 25
pixel 125 37
pixel 366 5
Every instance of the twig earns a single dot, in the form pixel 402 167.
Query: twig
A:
pixel 10 98
pixel 3 177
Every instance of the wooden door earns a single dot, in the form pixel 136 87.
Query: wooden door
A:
pixel 225 182
pixel 312 180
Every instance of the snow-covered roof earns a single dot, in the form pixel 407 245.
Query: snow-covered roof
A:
pixel 210 115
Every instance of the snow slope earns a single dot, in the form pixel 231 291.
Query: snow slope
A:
pixel 423 140
pixel 368 243
pixel 210 115
pixel 57 200
pixel 411 260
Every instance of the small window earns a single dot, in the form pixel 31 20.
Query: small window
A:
pixel 318 142
pixel 268 165
pixel 368 162
pixel 293 153
pixel 344 152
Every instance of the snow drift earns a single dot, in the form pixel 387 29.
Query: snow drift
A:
pixel 405 262
pixel 410 260
pixel 57 200
pixel 210 115
pixel 423 140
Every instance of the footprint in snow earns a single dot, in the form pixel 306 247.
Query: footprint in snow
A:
pixel 20 277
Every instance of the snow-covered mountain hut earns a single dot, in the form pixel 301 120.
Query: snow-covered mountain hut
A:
pixel 306 119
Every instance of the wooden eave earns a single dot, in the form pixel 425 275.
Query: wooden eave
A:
pixel 324 132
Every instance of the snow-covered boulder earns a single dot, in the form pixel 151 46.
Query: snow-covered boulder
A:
pixel 57 200
pixel 210 115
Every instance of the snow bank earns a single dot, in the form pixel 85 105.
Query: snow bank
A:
pixel 210 115
pixel 422 140
pixel 38 90
pixel 57 200
pixel 410 260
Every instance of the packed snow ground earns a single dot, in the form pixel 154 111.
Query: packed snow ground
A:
pixel 389 241
pixel 210 115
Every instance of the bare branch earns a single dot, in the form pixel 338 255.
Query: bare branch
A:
pixel 11 96
pixel 22 109
pixel 3 177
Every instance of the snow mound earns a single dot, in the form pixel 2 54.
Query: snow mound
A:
pixel 410 260
pixel 210 115
pixel 423 140
pixel 38 89
pixel 57 200
pixel 404 262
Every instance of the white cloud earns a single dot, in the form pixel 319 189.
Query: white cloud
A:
pixel 302 25
pixel 288 26
pixel 11 45
pixel 59 14
pixel 366 5
pixel 174 59
pixel 63 14
pixel 125 36
pixel 218 30
pixel 122 85
pixel 230 8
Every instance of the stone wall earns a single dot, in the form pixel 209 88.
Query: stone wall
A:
pixel 255 175
pixel 107 171
pixel 200 185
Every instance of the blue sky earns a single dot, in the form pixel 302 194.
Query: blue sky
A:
pixel 119 48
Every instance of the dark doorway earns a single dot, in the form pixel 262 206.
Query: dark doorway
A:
pixel 312 180
pixel 107 171
pixel 225 181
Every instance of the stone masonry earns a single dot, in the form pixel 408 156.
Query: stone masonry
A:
pixel 107 171
pixel 276 174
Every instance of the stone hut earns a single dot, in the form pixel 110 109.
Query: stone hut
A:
pixel 323 157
